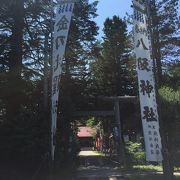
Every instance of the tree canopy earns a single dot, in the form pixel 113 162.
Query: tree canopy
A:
pixel 91 68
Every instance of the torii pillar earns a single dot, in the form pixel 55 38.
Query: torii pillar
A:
pixel 116 100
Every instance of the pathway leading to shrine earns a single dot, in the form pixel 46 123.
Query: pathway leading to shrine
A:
pixel 97 166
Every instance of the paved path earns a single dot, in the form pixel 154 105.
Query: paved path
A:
pixel 89 153
pixel 96 167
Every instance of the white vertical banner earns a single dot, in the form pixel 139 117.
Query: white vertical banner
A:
pixel 61 29
pixel 146 82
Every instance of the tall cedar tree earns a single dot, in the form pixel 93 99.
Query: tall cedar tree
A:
pixel 166 34
pixel 74 79
pixel 82 36
pixel 13 61
pixel 23 25
pixel 113 70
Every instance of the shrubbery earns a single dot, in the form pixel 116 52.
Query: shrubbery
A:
pixel 135 154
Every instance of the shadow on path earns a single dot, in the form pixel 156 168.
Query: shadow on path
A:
pixel 94 166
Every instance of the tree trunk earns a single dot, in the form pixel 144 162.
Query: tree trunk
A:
pixel 15 60
pixel 157 56
pixel 156 43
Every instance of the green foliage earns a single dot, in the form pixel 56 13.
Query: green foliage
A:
pixel 82 35
pixel 169 95
pixel 24 126
pixel 172 75
pixel 167 20
pixel 25 137
pixel 170 107
pixel 113 68
pixel 91 122
pixel 135 154
pixel 165 33
pixel 170 114
pixel 147 177
pixel 148 167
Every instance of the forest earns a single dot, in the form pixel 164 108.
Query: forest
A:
pixel 92 68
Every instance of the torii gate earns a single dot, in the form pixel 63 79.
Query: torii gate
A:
pixel 116 113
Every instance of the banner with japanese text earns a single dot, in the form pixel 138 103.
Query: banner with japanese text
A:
pixel 61 29
pixel 146 82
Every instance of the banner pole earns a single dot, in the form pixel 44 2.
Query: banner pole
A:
pixel 166 163
pixel 146 82
pixel 59 34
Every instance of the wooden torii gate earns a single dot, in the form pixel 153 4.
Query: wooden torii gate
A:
pixel 116 112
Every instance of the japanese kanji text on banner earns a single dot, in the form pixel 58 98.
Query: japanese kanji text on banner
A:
pixel 146 81
pixel 61 28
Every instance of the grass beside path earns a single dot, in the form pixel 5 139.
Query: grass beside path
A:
pixel 147 168
pixel 150 177
pixel 153 168
pixel 149 172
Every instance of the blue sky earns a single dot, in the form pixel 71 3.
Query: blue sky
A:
pixel 108 8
